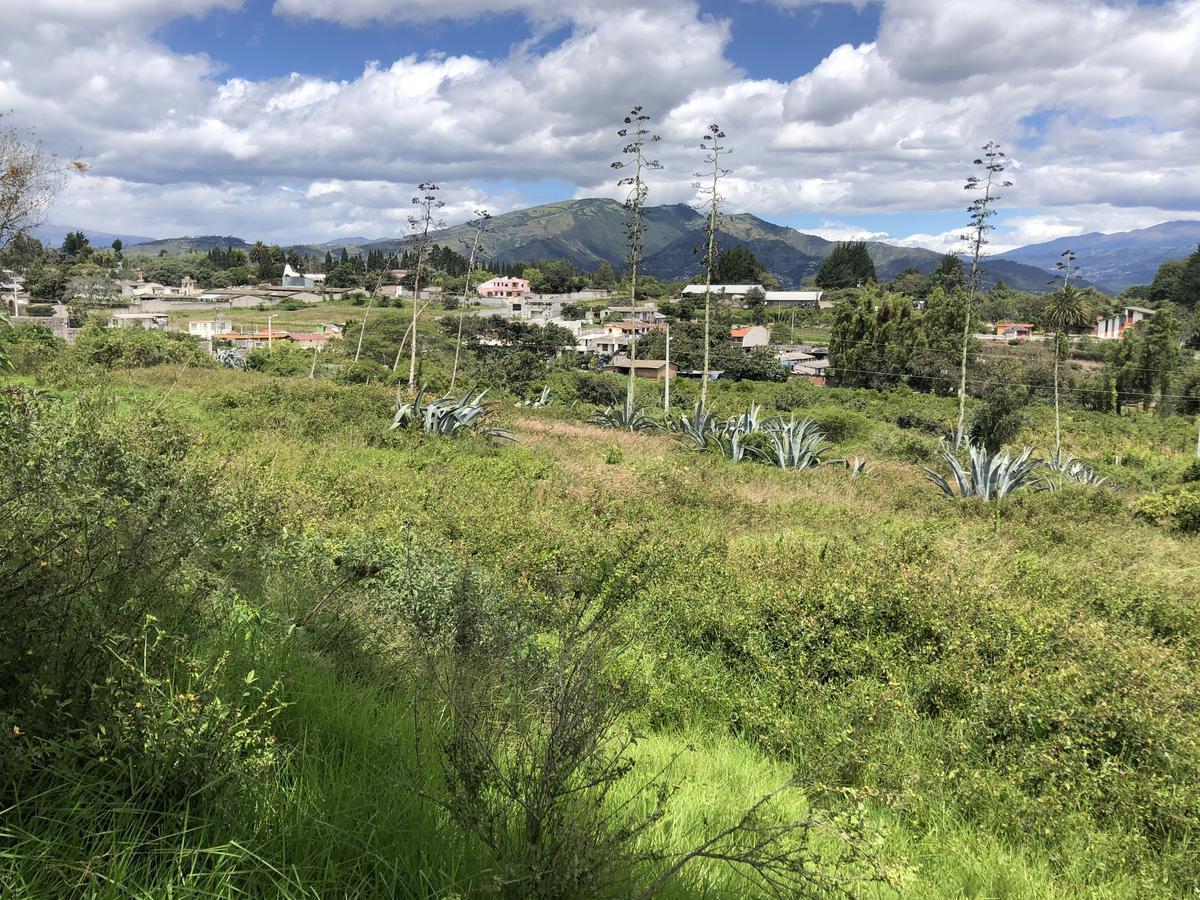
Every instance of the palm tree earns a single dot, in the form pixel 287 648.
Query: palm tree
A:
pixel 258 252
pixel 1064 309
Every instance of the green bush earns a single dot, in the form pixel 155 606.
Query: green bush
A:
pixel 107 581
pixel 40 310
pixel 1177 507
pixel 282 360
pixel 137 348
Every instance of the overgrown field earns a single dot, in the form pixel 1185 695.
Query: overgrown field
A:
pixel 255 644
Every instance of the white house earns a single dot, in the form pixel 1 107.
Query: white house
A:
pixel 148 321
pixel 503 287
pixel 751 336
pixel 736 292
pixel 602 342
pixel 801 299
pixel 292 278
pixel 1112 327
pixel 211 328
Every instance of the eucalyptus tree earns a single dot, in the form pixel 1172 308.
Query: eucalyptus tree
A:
pixel 483 219
pixel 420 224
pixel 1063 309
pixel 640 138
pixel 981 212
pixel 714 148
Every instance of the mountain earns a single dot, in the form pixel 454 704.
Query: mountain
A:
pixel 52 236
pixel 1116 261
pixel 588 232
pixel 199 244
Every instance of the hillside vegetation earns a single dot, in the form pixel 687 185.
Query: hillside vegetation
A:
pixel 261 645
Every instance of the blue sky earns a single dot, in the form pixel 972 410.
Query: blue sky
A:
pixel 296 120
pixel 252 42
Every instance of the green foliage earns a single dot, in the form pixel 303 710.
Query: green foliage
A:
pixel 108 543
pixel 135 348
pixel 738 265
pixel 626 416
pixel 998 420
pixel 281 360
pixel 1177 507
pixel 847 265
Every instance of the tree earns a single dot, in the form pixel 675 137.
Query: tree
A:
pixel 848 265
pixel 999 419
pixel 420 225
pixel 75 244
pixel 756 302
pixel 1143 363
pixel 980 211
pixel 911 283
pixel 117 247
pixel 738 265
pixel 639 137
pixel 713 149
pixel 948 274
pixel 1063 310
pixel 604 278
pixel 30 179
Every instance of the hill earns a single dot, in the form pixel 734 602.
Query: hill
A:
pixel 1118 260
pixel 200 244
pixel 588 232
pixel 52 236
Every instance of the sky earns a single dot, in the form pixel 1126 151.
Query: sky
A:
pixel 314 120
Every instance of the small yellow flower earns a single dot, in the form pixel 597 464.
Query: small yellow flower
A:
pixel 29 651
pixel 16 729
pixel 138 705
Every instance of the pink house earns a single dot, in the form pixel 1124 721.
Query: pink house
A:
pixel 504 287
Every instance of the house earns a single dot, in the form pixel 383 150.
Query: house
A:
pixel 751 336
pixel 213 328
pixel 735 292
pixel 254 339
pixel 292 278
pixel 634 313
pixel 148 321
pixel 503 287
pixel 1112 327
pixel 604 343
pixel 799 299
pixel 1014 330
pixel 789 356
pixel 534 306
pixel 657 369
pixel 309 340
pixel 813 370
pixel 636 329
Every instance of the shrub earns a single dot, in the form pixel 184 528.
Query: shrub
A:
pixel 1177 507
pixel 136 348
pixel 107 582
pixel 40 310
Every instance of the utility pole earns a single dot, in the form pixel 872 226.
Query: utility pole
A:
pixel 667 375
pixel 270 334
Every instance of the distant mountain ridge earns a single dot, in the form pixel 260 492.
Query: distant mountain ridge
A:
pixel 53 235
pixel 1119 260
pixel 588 232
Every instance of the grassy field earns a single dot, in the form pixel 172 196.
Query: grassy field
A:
pixel 1001 697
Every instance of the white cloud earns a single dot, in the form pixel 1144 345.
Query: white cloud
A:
pixel 886 126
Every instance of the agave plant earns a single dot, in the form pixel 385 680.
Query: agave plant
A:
pixel 446 415
pixel 749 422
pixel 627 416
pixel 735 446
pixel 540 403
pixel 989 476
pixel 793 444
pixel 1066 468
pixel 699 429
pixel 857 466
